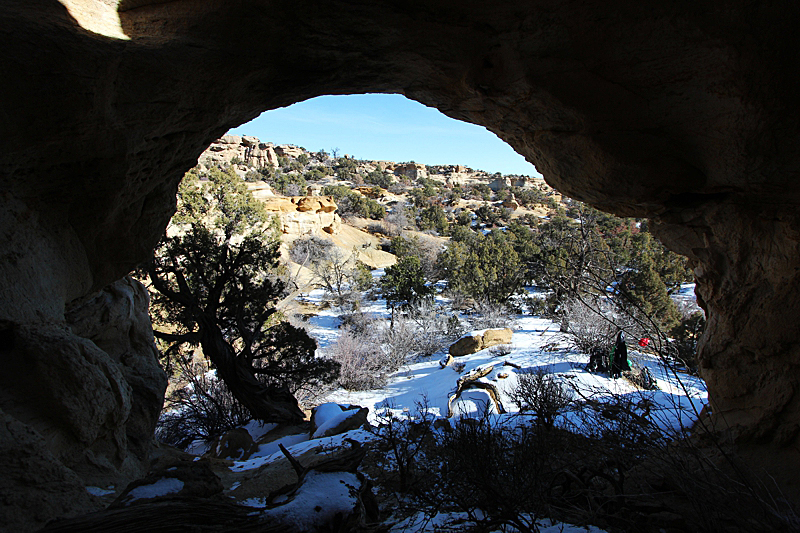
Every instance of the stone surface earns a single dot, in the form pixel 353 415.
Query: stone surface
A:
pixel 304 215
pixel 89 390
pixel 248 150
pixel 234 444
pixel 116 320
pixel 466 345
pixel 412 171
pixel 495 337
pixel 35 486
pixel 288 150
pixel 686 116
pixel 477 341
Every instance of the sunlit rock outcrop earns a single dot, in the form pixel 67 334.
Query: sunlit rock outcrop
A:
pixel 304 215
pixel 248 150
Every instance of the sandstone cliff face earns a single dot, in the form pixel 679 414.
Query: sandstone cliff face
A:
pixel 248 150
pixel 303 215
pixel 689 117
pixel 412 171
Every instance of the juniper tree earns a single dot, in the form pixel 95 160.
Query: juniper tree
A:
pixel 216 280
pixel 404 283
pixel 486 267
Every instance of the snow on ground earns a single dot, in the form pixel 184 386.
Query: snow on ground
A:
pixel 536 343
pixel 258 429
pixel 324 326
pixel 297 445
pixel 321 496
pixel 162 487
pixel 328 416
pixel 99 491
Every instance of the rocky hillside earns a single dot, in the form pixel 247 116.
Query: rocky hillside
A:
pixel 312 191
pixel 250 154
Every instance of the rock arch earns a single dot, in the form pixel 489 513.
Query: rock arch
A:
pixel 687 116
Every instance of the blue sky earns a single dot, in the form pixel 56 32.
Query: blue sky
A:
pixel 386 127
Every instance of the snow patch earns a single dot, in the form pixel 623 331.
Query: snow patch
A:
pixel 98 491
pixel 322 496
pixel 270 452
pixel 162 487
pixel 328 416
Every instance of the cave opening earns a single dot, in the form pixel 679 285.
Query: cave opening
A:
pixel 687 117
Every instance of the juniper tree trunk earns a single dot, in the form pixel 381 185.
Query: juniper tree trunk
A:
pixel 269 404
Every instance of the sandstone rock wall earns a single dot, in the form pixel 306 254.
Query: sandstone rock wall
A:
pixel 412 171
pixel 81 399
pixel 303 215
pixel 248 150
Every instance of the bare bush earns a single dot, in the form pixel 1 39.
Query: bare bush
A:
pixel 500 351
pixel 378 228
pixel 460 301
pixel 543 394
pixel 400 339
pixel 359 324
pixel 506 478
pixel 589 328
pixel 433 328
pixel 398 220
pixel 368 352
pixel 490 315
pixel 365 364
pixel 201 409
pixel 403 440
pixel 310 250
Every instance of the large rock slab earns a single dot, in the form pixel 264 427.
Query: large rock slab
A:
pixel 82 399
pixel 480 340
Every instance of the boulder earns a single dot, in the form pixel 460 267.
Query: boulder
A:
pixel 493 337
pixel 466 345
pixel 331 419
pixel 477 341
pixel 235 444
